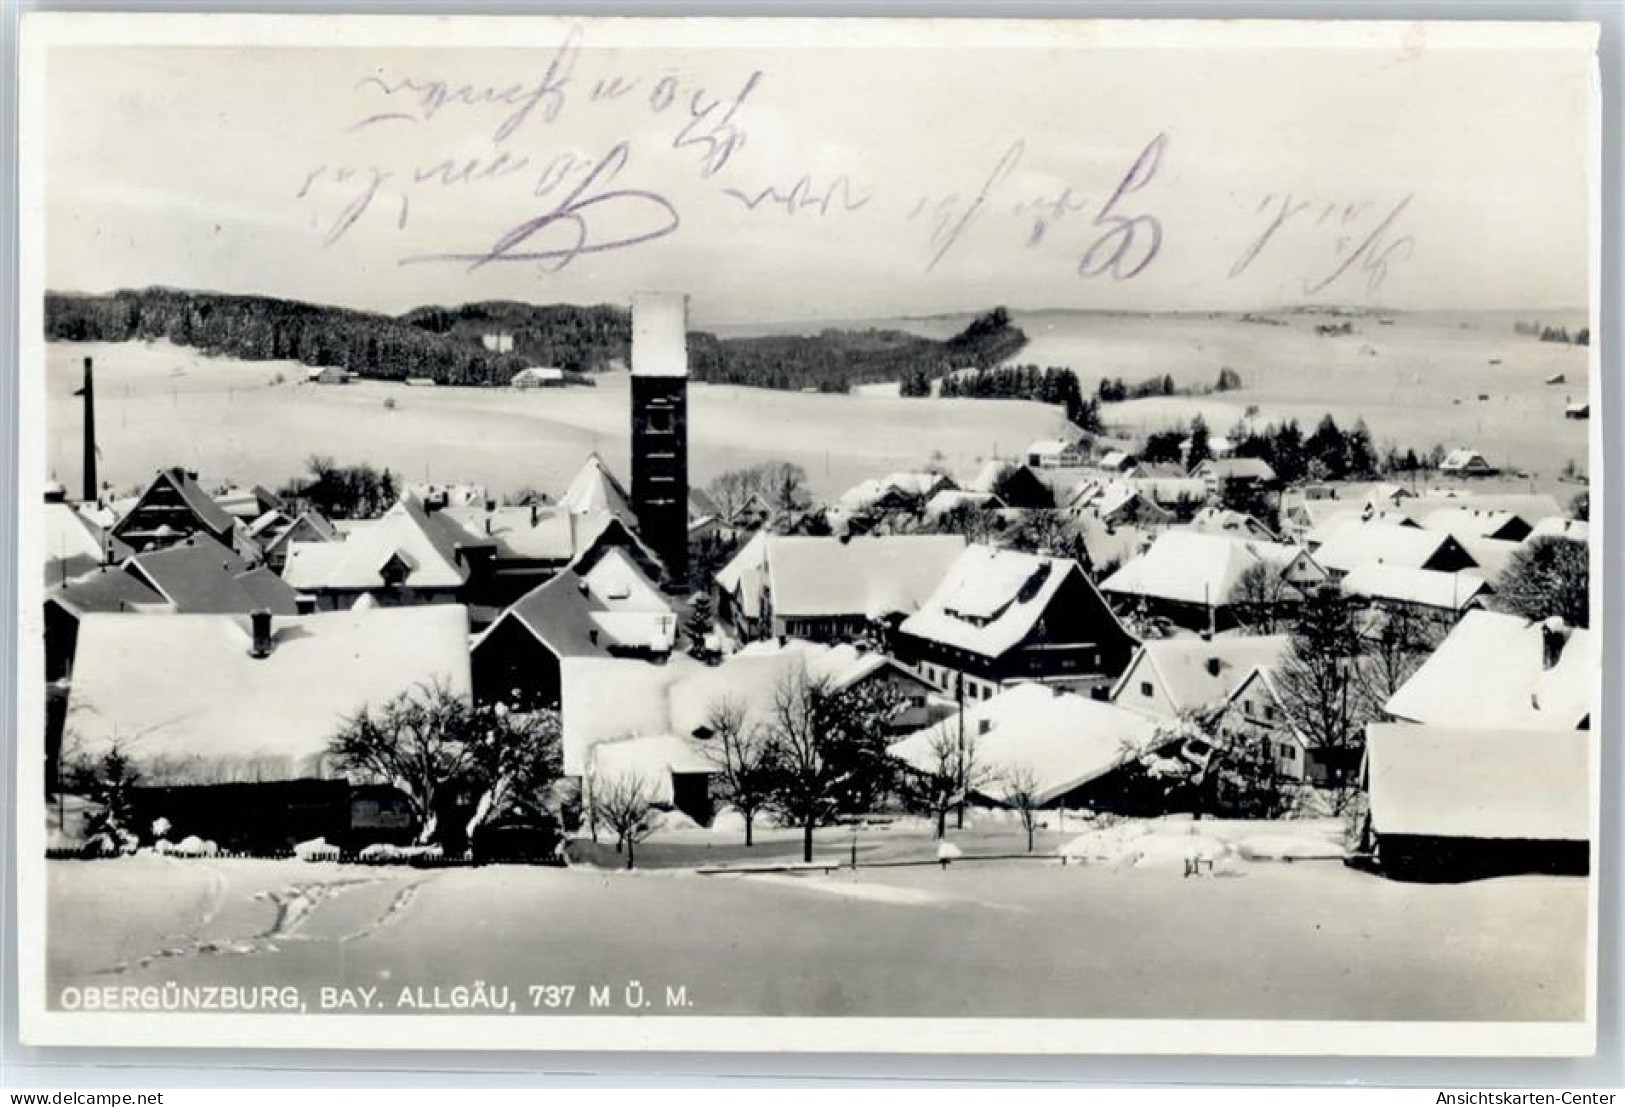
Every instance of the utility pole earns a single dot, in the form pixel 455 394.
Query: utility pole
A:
pixel 88 390
pixel 959 775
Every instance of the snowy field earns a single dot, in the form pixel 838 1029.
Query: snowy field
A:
pixel 163 405
pixel 1417 382
pixel 1120 931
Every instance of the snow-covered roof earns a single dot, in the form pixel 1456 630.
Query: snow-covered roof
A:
pixel 1223 520
pixel 537 373
pixel 183 695
pixel 1556 526
pixel 1458 782
pixel 1531 507
pixel 1047 447
pixel 1424 587
pixel 610 605
pixel 1490 671
pixel 1369 543
pixel 1342 515
pixel 1196 673
pixel 594 490
pixel 1235 468
pixel 73 544
pixel 746 572
pixel 922 484
pixel 1462 458
pixel 404 534
pixel 660 334
pixel 990 600
pixel 950 498
pixel 1170 490
pixel 1491 555
pixel 1064 740
pixel 868 575
pixel 1470 522
pixel 1186 567
pixel 649 760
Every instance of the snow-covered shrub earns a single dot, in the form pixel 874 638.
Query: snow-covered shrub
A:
pixel 193 846
pixel 317 849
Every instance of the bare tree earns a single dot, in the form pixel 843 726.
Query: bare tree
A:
pixel 427 740
pixel 515 755
pixel 1397 641
pixel 950 770
pixel 622 802
pixel 1320 682
pixel 1259 597
pixel 827 750
pixel 742 755
pixel 1022 794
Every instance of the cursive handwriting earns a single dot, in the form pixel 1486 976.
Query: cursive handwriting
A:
pixel 804 195
pixel 950 230
pixel 1373 254
pixel 1115 251
pixel 570 216
pixel 428 96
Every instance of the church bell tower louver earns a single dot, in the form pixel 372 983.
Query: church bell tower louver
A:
pixel 660 426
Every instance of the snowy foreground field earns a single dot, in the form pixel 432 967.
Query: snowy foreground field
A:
pixel 1119 931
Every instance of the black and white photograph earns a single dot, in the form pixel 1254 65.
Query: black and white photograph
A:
pixel 963 536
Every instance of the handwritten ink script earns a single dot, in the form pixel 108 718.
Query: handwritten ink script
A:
pixel 592 154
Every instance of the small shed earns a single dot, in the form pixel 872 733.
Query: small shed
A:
pixel 1453 803
pixel 539 376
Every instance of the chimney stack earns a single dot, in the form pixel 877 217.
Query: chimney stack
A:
pixel 92 489
pixel 1213 666
pixel 259 621
pixel 1554 636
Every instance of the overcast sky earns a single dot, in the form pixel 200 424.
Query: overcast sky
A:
pixel 932 179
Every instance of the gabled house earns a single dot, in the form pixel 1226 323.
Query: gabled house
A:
pixel 606 608
pixel 1422 591
pixel 199 576
pixel 73 544
pixel 400 558
pixel 172 507
pixel 1001 616
pixel 1217 473
pixel 892 492
pixel 830 589
pixel 1468 521
pixel 1201 581
pixel 1464 462
pixel 1557 526
pixel 1171 678
pixel 1055 453
pixel 237 707
pixel 1118 503
pixel 1231 524
pixel 1256 714
pixel 1017 485
pixel 275 532
pixel 950 500
pixel 1494 670
pixel 1348 547
pixel 625 718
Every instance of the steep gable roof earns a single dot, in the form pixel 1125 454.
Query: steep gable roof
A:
pixel 402 534
pixel 1197 673
pixel 1349 547
pixel 200 576
pixel 990 600
pixel 1424 587
pixel 210 515
pixel 1490 671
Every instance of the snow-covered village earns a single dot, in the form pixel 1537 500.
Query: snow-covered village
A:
pixel 755 527
pixel 1069 691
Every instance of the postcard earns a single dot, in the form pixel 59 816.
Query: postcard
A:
pixel 809 534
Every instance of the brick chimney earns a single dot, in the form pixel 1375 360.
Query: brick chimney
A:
pixel 1554 636
pixel 259 621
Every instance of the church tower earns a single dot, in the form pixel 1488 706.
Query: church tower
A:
pixel 660 426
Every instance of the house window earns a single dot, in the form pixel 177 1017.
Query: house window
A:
pixel 1247 708
pixel 1269 712
pixel 1146 690
pixel 916 701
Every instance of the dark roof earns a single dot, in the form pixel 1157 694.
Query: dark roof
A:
pixel 202 577
pixel 111 589
pixel 559 615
